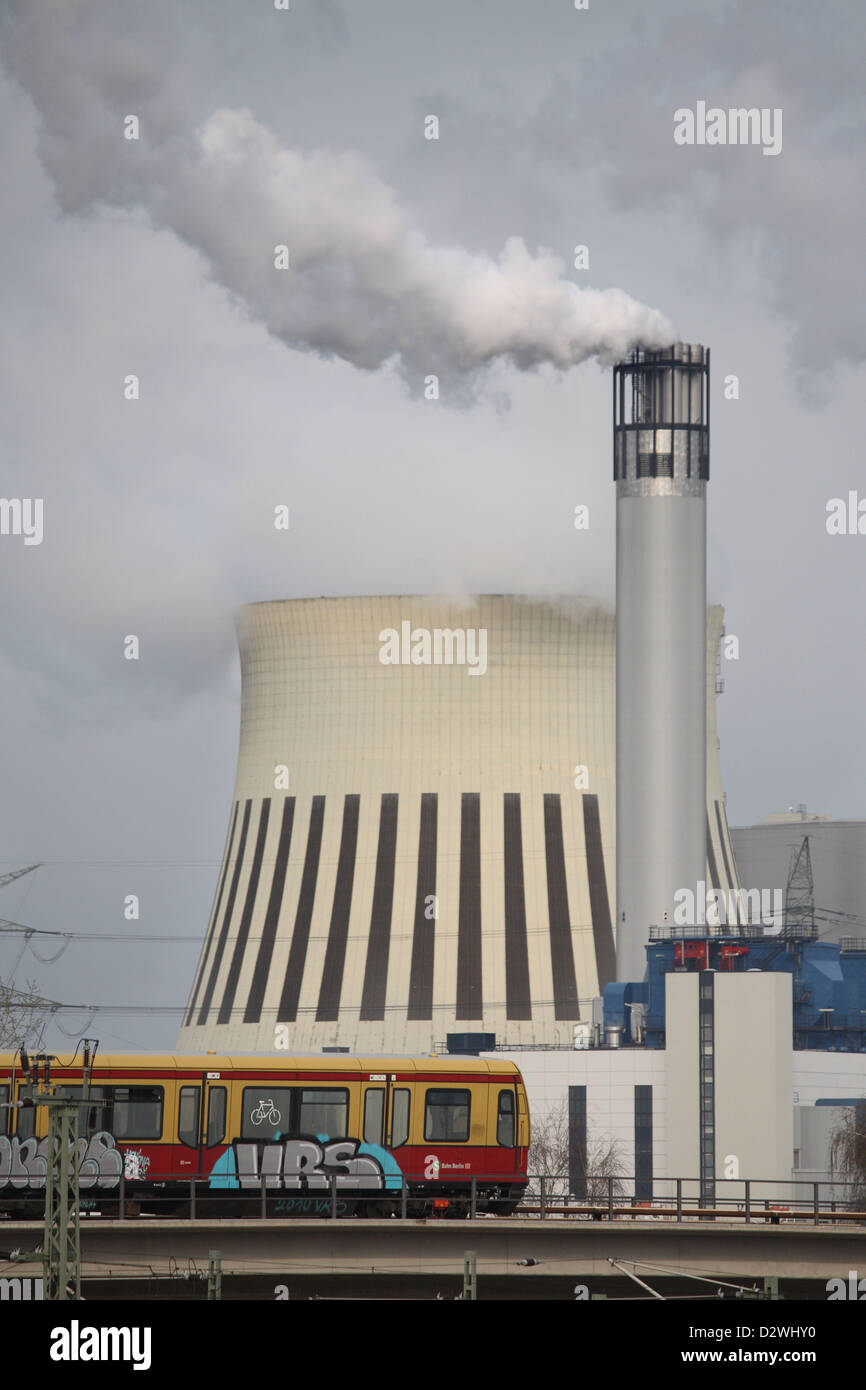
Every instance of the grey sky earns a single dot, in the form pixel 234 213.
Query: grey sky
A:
pixel 556 127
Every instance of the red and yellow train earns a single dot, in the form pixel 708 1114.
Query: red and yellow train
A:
pixel 375 1131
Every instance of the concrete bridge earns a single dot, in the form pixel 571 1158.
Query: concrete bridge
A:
pixel 515 1257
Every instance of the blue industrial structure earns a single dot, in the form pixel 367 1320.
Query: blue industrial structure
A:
pixel 828 981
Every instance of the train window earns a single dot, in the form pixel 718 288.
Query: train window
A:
pixel 374 1108
pixel 324 1113
pixel 136 1111
pixel 266 1112
pixel 400 1119
pixel 4 1114
pixel 216 1115
pixel 94 1113
pixel 187 1116
pixel 505 1120
pixel 127 1112
pixel 446 1116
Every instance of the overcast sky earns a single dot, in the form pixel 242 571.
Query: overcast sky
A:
pixel 412 256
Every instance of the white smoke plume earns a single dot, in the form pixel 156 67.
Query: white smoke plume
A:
pixel 363 284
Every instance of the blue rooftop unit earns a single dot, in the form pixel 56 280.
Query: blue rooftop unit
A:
pixel 828 980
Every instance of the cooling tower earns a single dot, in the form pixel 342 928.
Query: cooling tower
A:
pixel 422 836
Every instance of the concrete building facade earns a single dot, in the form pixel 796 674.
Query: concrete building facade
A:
pixel 635 1112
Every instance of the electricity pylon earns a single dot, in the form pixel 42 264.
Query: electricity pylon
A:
pixel 800 890
pixel 16 873
pixel 61 1237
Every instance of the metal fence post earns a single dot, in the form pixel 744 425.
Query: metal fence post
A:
pixel 816 1205
pixel 542 1194
pixel 404 1193
pixel 679 1199
pixel 748 1186
pixel 192 1199
pixel 214 1275
pixel 473 1199
pixel 470 1275
pixel 122 1204
pixel 610 1196
pixel 333 1184
pixel 263 1206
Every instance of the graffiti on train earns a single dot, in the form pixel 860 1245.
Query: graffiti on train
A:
pixel 305 1165
pixel 24 1162
pixel 308 1206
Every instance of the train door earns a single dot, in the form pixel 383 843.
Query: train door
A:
pixel 385 1112
pixel 502 1121
pixel 188 1153
pixel 201 1122
pixel 214 1119
pixel 374 1098
pixel 398 1115
pixel 523 1126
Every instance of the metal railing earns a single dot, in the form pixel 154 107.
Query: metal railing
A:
pixel 331 1195
pixel 766 1201
pixel 545 1197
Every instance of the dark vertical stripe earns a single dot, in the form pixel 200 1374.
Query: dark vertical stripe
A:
pixel 288 1010
pixel 224 930
pixel 469 992
pixel 565 1003
pixel 643 1143
pixel 602 928
pixel 721 825
pixel 577 1141
pixel 253 1011
pixel 335 953
pixel 214 915
pixel 379 942
pixel 424 929
pixel 711 856
pixel 707 1086
pixel 234 974
pixel 518 998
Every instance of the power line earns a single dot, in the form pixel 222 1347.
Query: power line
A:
pixel 18 929
pixel 17 873
pixel 115 864
pixel 10 928
pixel 56 1006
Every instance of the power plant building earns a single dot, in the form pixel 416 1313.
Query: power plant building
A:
pixel 474 823
pixel 422 838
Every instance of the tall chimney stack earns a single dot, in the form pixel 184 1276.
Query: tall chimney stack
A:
pixel 661 426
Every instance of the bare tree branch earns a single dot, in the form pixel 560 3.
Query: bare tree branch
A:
pixel 848 1152
pixel 549 1158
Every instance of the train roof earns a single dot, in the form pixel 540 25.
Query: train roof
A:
pixel 281 1061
